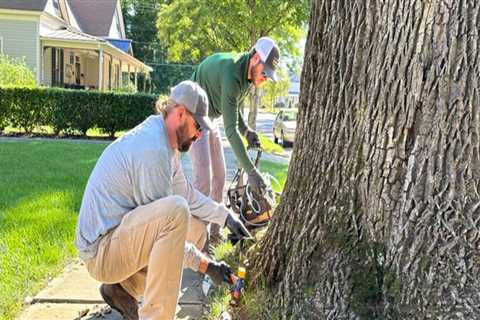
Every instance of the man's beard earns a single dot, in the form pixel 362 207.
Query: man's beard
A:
pixel 183 141
pixel 254 73
pixel 185 146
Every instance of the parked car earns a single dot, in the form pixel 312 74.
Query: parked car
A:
pixel 284 127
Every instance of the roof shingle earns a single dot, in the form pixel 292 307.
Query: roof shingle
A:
pixel 31 5
pixel 94 16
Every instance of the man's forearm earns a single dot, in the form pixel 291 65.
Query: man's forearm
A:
pixel 193 258
pixel 239 149
pixel 242 126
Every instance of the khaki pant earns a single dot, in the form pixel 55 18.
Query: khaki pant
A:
pixel 208 166
pixel 151 237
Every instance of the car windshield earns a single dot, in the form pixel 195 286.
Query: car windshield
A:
pixel 290 116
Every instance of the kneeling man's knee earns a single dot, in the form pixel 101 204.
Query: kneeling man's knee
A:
pixel 181 209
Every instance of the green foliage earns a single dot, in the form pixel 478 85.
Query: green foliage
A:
pixel 30 109
pixel 166 76
pixel 273 90
pixel 128 88
pixel 40 195
pixel 14 72
pixel 140 23
pixel 194 29
pixel 73 111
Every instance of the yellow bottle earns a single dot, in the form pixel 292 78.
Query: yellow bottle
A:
pixel 237 291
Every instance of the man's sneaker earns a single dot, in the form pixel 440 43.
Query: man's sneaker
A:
pixel 119 299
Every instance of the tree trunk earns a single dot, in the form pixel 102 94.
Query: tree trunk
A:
pixel 255 96
pixel 380 213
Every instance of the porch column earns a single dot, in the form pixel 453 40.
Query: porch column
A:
pixel 145 82
pixel 128 82
pixel 42 65
pixel 119 75
pixel 100 69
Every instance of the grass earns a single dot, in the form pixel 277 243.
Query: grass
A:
pixel 267 144
pixel 40 193
pixel 278 171
pixel 270 146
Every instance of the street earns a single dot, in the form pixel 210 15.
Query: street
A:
pixel 265 127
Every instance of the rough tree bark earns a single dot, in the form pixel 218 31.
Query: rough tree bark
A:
pixel 381 209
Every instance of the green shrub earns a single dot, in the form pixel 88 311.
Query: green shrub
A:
pixel 123 111
pixel 26 109
pixel 73 111
pixel 14 72
pixel 4 109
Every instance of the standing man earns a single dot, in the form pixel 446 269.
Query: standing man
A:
pixel 227 79
pixel 141 221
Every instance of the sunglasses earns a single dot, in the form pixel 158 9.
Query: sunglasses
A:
pixel 264 73
pixel 197 126
pixel 198 134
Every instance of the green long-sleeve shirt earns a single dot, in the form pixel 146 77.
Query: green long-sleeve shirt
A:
pixel 224 77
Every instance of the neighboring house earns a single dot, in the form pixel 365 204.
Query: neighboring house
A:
pixel 291 100
pixel 71 43
pixel 293 92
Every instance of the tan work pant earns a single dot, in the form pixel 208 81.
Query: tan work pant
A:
pixel 208 165
pixel 151 237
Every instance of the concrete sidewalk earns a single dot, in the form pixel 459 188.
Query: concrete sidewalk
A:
pixel 74 295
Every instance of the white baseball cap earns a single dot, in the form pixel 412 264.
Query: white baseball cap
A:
pixel 269 54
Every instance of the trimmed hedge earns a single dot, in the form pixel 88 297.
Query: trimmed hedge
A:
pixel 73 111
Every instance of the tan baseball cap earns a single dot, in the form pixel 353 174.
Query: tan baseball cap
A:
pixel 194 98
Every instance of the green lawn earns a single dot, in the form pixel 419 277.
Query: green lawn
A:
pixel 267 144
pixel 40 193
pixel 278 171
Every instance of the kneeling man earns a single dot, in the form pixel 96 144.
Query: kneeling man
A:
pixel 141 221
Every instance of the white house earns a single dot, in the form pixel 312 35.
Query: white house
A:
pixel 291 100
pixel 71 43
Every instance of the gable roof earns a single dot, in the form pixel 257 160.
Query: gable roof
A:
pixel 30 5
pixel 97 24
pixel 122 44
pixel 67 34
